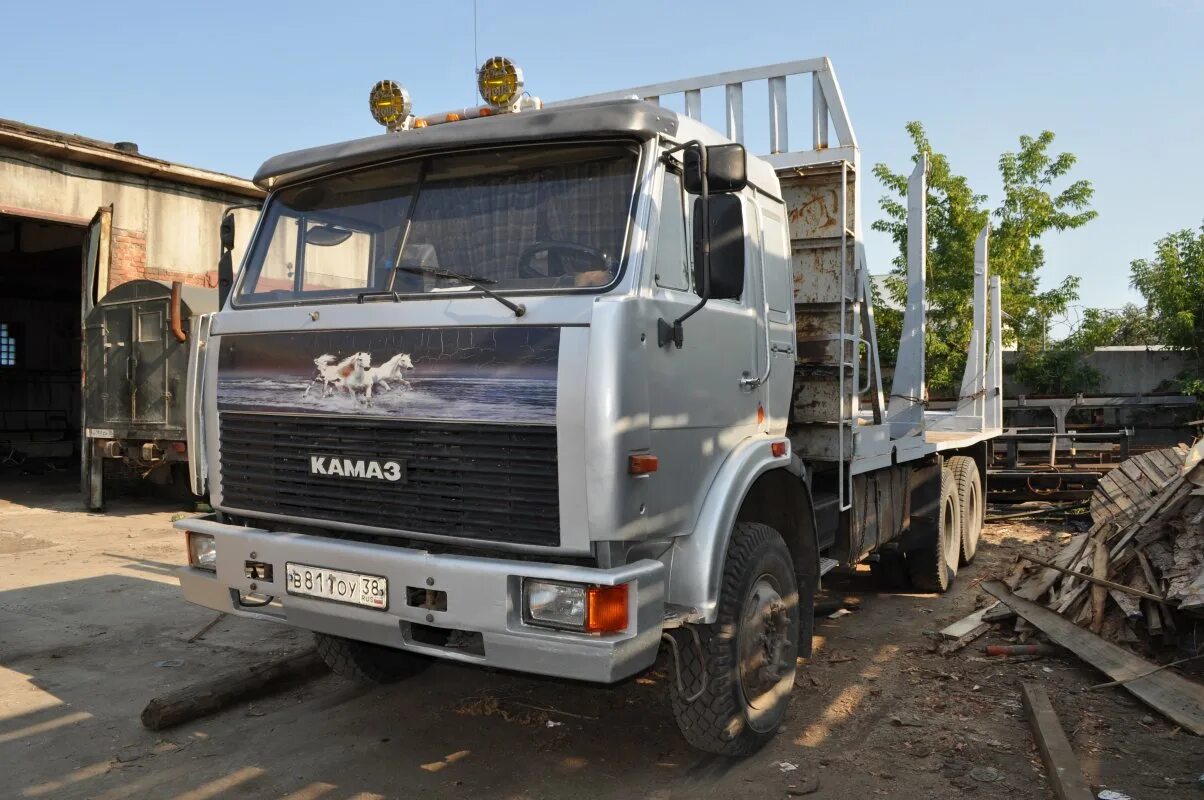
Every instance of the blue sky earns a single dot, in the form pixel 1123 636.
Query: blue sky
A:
pixel 224 85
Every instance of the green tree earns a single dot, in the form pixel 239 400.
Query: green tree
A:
pixel 1172 282
pixel 1062 367
pixel 1031 207
pixel 1131 326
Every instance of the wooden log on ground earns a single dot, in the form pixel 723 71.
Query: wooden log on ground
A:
pixel 967 623
pixel 1102 582
pixel 1065 775
pixel 1032 588
pixel 953 645
pixel 1177 698
pixel 1099 592
pixel 207 697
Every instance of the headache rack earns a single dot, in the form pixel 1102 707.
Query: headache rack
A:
pixel 841 414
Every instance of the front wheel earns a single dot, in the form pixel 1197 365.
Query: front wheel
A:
pixel 366 662
pixel 748 654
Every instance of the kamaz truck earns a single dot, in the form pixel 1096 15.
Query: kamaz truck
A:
pixel 557 388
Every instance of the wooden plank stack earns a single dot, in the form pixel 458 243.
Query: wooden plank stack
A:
pixel 1138 574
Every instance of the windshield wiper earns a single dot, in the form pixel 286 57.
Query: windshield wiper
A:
pixel 478 282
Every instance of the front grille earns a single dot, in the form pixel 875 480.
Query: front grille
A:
pixel 468 480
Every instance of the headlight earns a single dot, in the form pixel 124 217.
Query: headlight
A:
pixel 575 606
pixel 202 551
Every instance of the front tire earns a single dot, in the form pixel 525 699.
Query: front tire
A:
pixel 365 662
pixel 933 564
pixel 748 654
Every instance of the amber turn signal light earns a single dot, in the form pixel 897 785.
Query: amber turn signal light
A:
pixel 606 609
pixel 643 464
pixel 778 449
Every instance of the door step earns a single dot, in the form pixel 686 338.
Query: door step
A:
pixel 826 565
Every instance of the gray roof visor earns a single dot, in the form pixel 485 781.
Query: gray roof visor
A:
pixel 620 117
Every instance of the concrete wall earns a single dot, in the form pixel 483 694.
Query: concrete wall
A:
pixel 161 230
pixel 1123 370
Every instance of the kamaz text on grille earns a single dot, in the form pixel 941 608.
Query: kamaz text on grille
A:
pixel 364 469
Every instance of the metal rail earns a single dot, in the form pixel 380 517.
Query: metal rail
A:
pixel 828 111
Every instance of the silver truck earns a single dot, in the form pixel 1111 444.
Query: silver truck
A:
pixel 548 387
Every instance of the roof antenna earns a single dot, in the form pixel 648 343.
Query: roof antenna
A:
pixel 476 62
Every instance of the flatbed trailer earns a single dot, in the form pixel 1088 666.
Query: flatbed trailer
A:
pixel 542 388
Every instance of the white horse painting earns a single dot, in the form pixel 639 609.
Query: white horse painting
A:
pixel 351 374
pixel 392 370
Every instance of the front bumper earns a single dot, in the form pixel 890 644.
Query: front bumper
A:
pixel 484 596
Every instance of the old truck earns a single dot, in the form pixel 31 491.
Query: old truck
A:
pixel 135 369
pixel 546 388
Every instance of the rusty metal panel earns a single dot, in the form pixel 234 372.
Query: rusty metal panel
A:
pixel 813 200
pixel 816 274
pixel 821 401
pixel 820 442
pixel 817 330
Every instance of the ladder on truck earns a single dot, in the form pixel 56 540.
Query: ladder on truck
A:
pixel 837 348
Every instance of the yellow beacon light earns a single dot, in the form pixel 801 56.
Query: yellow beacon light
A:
pixel 500 82
pixel 390 104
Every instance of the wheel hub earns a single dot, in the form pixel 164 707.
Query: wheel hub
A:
pixel 763 641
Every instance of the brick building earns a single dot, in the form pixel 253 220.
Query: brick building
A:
pixel 67 199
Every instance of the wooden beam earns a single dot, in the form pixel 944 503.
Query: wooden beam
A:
pixel 1179 699
pixel 967 623
pixel 207 697
pixel 1062 766
pixel 1098 581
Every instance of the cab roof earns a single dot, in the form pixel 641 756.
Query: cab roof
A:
pixel 637 118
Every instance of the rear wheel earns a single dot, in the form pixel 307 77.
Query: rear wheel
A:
pixel 968 482
pixel 749 652
pixel 933 564
pixel 365 662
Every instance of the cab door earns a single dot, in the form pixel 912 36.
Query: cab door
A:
pixel 700 405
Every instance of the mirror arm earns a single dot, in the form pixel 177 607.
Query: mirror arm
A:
pixel 225 261
pixel 673 332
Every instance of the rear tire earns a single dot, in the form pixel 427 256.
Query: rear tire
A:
pixel 365 662
pixel 933 564
pixel 748 654
pixel 968 482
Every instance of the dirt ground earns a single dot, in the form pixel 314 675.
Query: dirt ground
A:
pixel 92 626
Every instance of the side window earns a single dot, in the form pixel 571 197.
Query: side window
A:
pixel 779 280
pixel 672 263
pixel 8 345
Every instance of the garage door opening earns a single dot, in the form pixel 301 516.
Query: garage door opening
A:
pixel 40 300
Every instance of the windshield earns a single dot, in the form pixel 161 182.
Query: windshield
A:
pixel 530 218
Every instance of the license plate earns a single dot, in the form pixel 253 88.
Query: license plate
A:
pixel 370 591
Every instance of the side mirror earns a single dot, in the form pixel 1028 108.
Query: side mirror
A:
pixel 226 231
pixel 727 246
pixel 225 262
pixel 727 169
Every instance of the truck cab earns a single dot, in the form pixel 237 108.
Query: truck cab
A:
pixel 519 386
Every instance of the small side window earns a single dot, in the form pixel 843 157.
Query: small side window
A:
pixel 672 250
pixel 8 345
pixel 779 275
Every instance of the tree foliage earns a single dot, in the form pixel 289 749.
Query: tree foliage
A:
pixel 1032 205
pixel 1062 367
pixel 1172 282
